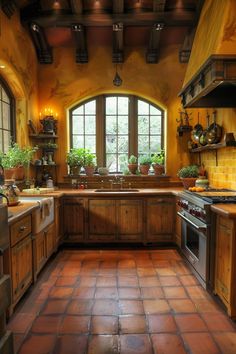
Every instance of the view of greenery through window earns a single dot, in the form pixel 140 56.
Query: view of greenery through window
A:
pixel 109 127
pixel 5 120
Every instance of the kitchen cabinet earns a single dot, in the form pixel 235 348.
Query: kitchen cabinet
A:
pixel 73 219
pixel 21 264
pixel 43 247
pixel 160 219
pixel 102 224
pixel 58 216
pixel 130 220
pixel 225 270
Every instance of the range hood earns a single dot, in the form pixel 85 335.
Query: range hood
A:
pixel 213 85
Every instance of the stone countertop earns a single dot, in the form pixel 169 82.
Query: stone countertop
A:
pixel 21 210
pixel 226 210
pixel 91 192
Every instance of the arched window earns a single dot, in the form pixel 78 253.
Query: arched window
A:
pixel 116 126
pixel 7 123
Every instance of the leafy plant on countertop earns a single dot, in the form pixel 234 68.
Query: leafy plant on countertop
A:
pixel 191 171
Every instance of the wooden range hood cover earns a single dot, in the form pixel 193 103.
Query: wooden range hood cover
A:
pixel 213 85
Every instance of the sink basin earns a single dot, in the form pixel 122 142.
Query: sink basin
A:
pixel 38 190
pixel 44 215
pixel 116 190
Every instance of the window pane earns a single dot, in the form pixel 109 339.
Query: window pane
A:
pixel 154 110
pixel 111 105
pixel 78 124
pixel 0 115
pixel 79 110
pixel 90 107
pixel 143 125
pixel 123 144
pixel 5 97
pixel 90 125
pixel 143 107
pixel 1 141
pixel 155 144
pixel 90 143
pixel 111 143
pixel 155 124
pixel 6 115
pixel 143 144
pixel 111 162
pixel 6 140
pixel 122 162
pixel 78 141
pixel 123 125
pixel 111 126
pixel 123 105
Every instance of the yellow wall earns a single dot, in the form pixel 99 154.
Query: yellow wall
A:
pixel 20 73
pixel 66 83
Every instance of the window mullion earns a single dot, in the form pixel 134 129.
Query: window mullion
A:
pixel 100 130
pixel 133 126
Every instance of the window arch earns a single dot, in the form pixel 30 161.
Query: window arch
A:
pixel 115 127
pixel 7 122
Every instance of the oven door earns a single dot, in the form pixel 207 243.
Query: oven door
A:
pixel 194 244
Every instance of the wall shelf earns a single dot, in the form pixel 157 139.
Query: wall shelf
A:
pixel 43 136
pixel 213 146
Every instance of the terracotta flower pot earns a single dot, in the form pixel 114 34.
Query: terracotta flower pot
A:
pixel 19 173
pixel 188 182
pixel 158 169
pixel 75 170
pixel 8 173
pixel 133 168
pixel 144 169
pixel 89 170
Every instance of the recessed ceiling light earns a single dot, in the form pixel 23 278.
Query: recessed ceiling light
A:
pixel 2 66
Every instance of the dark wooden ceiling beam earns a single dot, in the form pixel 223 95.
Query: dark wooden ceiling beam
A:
pixel 76 6
pixel 8 7
pixel 185 50
pixel 118 43
pixel 43 50
pixel 181 18
pixel 118 6
pixel 81 43
pixel 152 54
pixel 159 5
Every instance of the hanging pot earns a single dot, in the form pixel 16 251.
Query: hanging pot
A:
pixel 197 131
pixel 214 131
pixel 203 136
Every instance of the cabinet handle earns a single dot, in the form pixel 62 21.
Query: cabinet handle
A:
pixel 22 228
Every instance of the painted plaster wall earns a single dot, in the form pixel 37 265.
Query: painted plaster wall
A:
pixel 66 83
pixel 20 73
pixel 216 34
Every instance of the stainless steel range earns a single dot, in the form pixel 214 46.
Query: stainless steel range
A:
pixel 198 230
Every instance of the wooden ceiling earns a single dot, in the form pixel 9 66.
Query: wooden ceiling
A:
pixel 153 24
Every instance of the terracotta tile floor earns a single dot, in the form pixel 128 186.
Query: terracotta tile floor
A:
pixel 120 302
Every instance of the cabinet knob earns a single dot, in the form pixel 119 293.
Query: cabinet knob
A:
pixel 22 228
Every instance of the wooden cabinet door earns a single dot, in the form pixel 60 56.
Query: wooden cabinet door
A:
pixel 223 258
pixel 58 222
pixel 40 255
pixel 73 219
pixel 21 264
pixel 50 240
pixel 160 219
pixel 102 219
pixel 178 222
pixel 130 220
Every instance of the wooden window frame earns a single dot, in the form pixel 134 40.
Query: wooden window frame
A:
pixel 100 124
pixel 12 120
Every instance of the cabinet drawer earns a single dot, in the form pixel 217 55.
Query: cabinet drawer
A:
pixel 20 229
pixel 73 200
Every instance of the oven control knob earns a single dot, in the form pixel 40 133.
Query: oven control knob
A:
pixel 198 213
pixel 203 214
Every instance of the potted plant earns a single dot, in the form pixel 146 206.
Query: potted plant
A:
pixel 89 162
pixel 133 164
pixel 188 175
pixel 16 159
pixel 158 161
pixel 75 160
pixel 144 164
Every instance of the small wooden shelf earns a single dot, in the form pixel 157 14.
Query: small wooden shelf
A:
pixel 43 136
pixel 213 146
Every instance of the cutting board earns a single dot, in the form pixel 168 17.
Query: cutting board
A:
pixel 216 194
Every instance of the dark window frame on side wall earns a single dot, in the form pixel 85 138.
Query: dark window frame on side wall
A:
pixel 101 124
pixel 12 122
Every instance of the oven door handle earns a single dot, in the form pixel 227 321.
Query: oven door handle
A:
pixel 200 228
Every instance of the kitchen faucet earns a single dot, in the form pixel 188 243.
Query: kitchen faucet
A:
pixel 117 181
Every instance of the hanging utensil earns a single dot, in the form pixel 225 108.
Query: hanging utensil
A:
pixel 214 133
pixel 197 131
pixel 203 136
